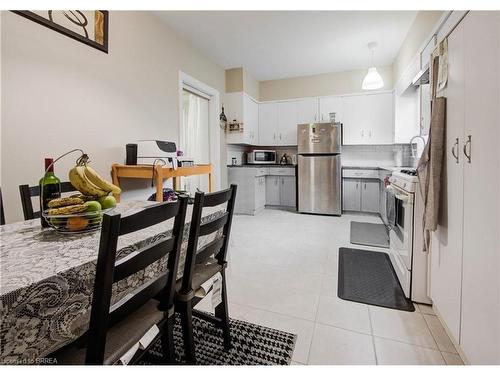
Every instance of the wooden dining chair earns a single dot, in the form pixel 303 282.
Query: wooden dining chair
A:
pixel 27 192
pixel 113 330
pixel 2 214
pixel 202 264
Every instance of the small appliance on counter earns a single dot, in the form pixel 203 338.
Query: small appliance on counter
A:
pixel 150 152
pixel 261 157
pixel 286 159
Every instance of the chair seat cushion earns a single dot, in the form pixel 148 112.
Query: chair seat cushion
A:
pixel 202 272
pixel 120 338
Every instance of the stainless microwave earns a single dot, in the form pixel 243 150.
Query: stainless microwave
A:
pixel 261 157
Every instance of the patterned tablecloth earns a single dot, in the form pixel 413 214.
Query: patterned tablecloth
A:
pixel 46 281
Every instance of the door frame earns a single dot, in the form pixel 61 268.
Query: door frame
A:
pixel 213 121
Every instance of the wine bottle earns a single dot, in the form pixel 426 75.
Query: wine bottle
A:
pixel 50 188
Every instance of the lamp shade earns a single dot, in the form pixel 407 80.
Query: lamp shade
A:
pixel 373 80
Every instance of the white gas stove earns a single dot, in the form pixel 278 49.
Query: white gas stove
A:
pixel 405 179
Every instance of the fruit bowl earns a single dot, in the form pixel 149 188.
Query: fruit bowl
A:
pixel 83 222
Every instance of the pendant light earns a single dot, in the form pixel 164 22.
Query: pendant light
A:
pixel 373 80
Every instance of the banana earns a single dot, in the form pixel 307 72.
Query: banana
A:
pixel 83 184
pixel 98 181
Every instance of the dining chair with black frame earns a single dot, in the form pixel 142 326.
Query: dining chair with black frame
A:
pixel 115 329
pixel 202 264
pixel 27 192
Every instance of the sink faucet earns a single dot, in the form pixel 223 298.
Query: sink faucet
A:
pixel 414 154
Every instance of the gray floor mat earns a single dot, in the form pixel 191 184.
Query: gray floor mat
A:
pixel 369 234
pixel 368 277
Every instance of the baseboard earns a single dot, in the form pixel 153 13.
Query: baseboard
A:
pixel 448 332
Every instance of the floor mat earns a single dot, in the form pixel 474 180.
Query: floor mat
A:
pixel 252 345
pixel 369 234
pixel 368 277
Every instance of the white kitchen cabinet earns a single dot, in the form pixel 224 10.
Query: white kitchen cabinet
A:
pixel 351 195
pixel 368 118
pixel 330 104
pixel 465 255
pixel 287 191
pixel 370 195
pixel 242 108
pixel 251 196
pixel 268 124
pixel 260 193
pixel 307 111
pixel 273 191
pixel 287 123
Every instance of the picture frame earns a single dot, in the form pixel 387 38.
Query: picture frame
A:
pixel 78 19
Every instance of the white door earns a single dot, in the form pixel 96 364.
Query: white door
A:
pixel 370 195
pixel 446 248
pixel 273 190
pixel 351 195
pixel 195 137
pixel 250 120
pixel 287 123
pixel 307 111
pixel 330 104
pixel 268 124
pixel 379 118
pixel 354 120
pixel 287 191
pixel 480 331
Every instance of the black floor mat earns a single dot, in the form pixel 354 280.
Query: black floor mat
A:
pixel 368 277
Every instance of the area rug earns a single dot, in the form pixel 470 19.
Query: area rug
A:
pixel 369 234
pixel 252 345
pixel 368 277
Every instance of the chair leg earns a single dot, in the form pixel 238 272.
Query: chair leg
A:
pixel 167 340
pixel 186 312
pixel 221 312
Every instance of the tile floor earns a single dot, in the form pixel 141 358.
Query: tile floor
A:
pixel 283 274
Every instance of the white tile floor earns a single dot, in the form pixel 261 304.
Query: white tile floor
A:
pixel 283 274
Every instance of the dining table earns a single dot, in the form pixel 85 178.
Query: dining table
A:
pixel 47 280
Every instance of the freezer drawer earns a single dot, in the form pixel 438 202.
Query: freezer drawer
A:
pixel 319 184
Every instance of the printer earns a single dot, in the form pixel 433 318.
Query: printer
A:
pixel 151 152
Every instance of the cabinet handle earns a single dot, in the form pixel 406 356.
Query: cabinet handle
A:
pixel 321 117
pixel 370 134
pixel 468 143
pixel 274 136
pixel 362 133
pixel 453 150
pixel 315 118
pixel 282 182
pixel 365 186
pixel 356 186
pixel 280 136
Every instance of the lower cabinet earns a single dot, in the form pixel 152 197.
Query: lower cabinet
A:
pixel 280 191
pixel 361 195
pixel 260 193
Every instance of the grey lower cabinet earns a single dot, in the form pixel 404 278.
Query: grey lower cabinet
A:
pixel 260 187
pixel 361 195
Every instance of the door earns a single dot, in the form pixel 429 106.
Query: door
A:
pixel 319 184
pixel 370 195
pixel 307 111
pixel 287 191
pixel 250 120
pixel 330 104
pixel 273 187
pixel 380 118
pixel 354 119
pixel 351 195
pixel 260 193
pixel 195 137
pixel 480 328
pixel 287 123
pixel 268 124
pixel 446 249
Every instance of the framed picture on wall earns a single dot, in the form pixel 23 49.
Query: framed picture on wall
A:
pixel 86 26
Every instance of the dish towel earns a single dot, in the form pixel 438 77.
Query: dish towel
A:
pixel 390 203
pixel 431 162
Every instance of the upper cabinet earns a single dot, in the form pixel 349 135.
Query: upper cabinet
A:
pixel 287 123
pixel 368 118
pixel 242 108
pixel 307 111
pixel 330 104
pixel 268 124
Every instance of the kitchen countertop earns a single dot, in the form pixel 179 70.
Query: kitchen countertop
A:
pixel 385 168
pixel 262 166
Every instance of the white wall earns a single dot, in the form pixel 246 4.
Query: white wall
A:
pixel 59 94
pixel 338 83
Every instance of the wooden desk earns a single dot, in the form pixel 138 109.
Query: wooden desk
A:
pixel 160 173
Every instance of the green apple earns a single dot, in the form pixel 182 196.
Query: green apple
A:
pixel 93 206
pixel 107 202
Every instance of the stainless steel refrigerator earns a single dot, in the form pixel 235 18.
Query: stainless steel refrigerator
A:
pixel 319 168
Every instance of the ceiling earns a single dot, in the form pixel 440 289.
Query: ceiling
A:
pixel 282 44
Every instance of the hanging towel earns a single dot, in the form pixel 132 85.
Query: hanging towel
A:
pixel 431 162
pixel 390 206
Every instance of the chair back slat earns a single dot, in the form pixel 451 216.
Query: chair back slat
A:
pixel 27 192
pixel 209 249
pixel 213 225
pixel 110 271
pixel 2 214
pixel 135 300
pixel 197 229
pixel 217 198
pixel 142 258
pixel 146 218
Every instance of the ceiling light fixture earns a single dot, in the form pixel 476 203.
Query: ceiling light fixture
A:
pixel 373 80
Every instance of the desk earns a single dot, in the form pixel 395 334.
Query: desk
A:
pixel 159 173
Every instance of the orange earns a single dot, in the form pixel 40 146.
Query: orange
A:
pixel 77 223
